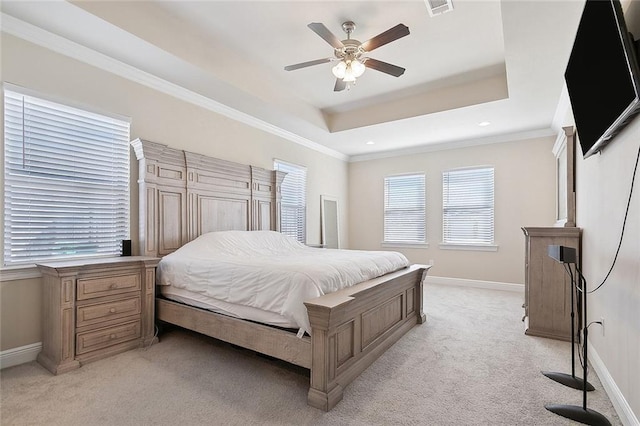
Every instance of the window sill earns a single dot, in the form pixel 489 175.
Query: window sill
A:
pixel 471 247
pixel 404 245
pixel 15 273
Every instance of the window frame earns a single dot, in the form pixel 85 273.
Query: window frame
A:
pixel 476 246
pixel 25 268
pixel 400 243
pixel 301 209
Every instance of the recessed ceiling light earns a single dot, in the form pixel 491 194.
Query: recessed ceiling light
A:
pixel 370 143
pixel 484 123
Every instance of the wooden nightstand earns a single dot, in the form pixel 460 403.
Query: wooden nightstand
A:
pixel 94 308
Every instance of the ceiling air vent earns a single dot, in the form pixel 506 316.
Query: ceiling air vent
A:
pixel 438 7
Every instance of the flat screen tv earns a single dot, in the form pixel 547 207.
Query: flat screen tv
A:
pixel 602 75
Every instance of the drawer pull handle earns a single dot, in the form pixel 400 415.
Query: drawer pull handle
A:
pixel 112 310
pixel 113 286
pixel 113 336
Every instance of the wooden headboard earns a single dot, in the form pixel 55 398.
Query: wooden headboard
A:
pixel 184 195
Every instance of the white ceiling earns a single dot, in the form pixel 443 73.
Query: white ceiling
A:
pixel 497 61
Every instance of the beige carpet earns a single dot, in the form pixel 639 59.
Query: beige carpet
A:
pixel 470 364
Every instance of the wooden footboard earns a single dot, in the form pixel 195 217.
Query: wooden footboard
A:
pixel 351 328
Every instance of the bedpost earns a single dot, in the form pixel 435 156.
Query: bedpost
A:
pixel 324 391
pixel 320 395
pixel 422 318
pixel 278 177
pixel 162 197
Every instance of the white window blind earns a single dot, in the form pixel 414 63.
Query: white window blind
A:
pixel 66 181
pixel 467 206
pixel 294 200
pixel 404 209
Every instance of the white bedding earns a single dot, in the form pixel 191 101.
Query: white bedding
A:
pixel 270 271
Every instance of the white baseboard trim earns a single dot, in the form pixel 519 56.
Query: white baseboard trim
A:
pixel 622 407
pixel 493 285
pixel 17 356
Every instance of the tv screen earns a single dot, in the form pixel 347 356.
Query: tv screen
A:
pixel 602 75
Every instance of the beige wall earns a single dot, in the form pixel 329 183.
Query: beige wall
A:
pixel 159 118
pixel 603 182
pixel 20 307
pixel 524 196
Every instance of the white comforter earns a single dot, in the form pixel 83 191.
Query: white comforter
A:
pixel 270 271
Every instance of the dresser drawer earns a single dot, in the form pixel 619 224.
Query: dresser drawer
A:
pixel 89 288
pixel 107 311
pixel 103 338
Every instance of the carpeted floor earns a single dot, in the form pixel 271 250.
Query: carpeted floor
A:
pixel 470 364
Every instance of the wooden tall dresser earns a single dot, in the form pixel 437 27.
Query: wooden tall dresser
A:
pixel 94 308
pixel 547 285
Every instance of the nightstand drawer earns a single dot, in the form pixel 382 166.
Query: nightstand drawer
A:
pixel 103 338
pixel 89 288
pixel 99 312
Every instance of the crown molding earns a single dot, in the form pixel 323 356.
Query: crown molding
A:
pixel 510 137
pixel 64 46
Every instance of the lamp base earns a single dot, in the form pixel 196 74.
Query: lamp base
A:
pixel 568 380
pixel 579 414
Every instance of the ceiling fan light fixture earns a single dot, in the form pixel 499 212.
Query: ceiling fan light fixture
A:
pixel 349 78
pixel 357 68
pixel 340 70
pixel 348 70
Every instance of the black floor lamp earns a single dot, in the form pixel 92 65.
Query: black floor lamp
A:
pixel 578 413
pixel 567 256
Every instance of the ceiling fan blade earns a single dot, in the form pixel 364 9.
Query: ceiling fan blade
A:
pixel 384 67
pixel 340 85
pixel 307 64
pixel 388 36
pixel 327 35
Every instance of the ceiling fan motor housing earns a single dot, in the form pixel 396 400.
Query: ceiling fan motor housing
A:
pixel 352 50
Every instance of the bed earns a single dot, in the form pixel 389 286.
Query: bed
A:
pixel 189 202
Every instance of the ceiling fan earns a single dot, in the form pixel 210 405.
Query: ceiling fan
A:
pixel 351 53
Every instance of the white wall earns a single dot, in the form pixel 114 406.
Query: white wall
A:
pixel 524 196
pixel 603 182
pixel 160 118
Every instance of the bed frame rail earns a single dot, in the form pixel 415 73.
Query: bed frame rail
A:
pixel 267 340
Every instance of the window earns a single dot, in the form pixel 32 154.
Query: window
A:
pixel 66 181
pixel 294 200
pixel 404 209
pixel 467 206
